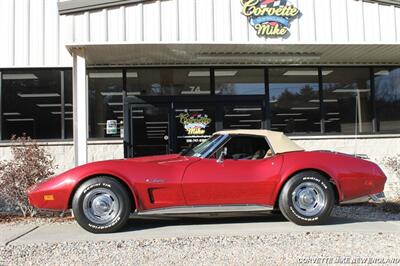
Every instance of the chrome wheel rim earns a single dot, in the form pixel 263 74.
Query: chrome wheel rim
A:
pixel 100 205
pixel 309 199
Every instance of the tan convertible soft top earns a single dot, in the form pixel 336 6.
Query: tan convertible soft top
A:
pixel 280 142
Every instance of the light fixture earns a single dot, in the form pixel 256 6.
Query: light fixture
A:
pixel 133 93
pixel 237 115
pixel 305 108
pixel 289 114
pixel 247 109
pixel 105 75
pixel 244 125
pixel 136 117
pixel 68 118
pixel 199 74
pixel 53 105
pixel 273 100
pixel 20 119
pixel 297 120
pixel 382 73
pixel 151 123
pixel 155 131
pixel 19 76
pixel 306 72
pixel 351 90
pixel 131 74
pixel 12 113
pixel 225 73
pixel 114 103
pixel 58 113
pixel 137 111
pixel 325 101
pixel 249 120
pixel 189 110
pixel 111 93
pixel 118 112
pixel 38 95
pixel 334 119
pixel 194 92
pixel 156 127
pixel 279 125
pixel 333 113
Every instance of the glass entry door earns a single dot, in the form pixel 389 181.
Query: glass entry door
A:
pixel 149 129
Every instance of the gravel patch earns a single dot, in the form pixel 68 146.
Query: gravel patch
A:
pixel 380 248
pixel 292 248
pixel 368 212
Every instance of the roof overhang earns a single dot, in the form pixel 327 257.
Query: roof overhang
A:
pixel 76 6
pixel 159 54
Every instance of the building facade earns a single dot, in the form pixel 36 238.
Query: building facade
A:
pixel 93 80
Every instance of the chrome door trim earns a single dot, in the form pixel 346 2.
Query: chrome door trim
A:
pixel 207 209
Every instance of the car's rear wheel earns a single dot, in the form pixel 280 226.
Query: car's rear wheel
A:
pixel 101 205
pixel 307 198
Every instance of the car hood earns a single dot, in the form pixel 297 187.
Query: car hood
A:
pixel 157 158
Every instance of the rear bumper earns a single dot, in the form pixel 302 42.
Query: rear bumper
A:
pixel 379 197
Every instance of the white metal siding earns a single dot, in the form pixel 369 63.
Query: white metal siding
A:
pixel 221 21
pixel 34 35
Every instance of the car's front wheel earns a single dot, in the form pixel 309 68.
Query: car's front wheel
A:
pixel 101 205
pixel 307 198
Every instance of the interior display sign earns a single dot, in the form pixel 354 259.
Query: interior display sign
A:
pixel 194 124
pixel 270 18
pixel 111 127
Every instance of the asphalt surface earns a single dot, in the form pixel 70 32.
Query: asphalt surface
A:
pixel 144 228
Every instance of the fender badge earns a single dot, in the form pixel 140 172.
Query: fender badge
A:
pixel 48 197
pixel 154 180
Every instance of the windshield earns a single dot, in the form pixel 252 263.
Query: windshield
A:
pixel 203 148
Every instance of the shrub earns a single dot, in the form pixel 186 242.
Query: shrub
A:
pixel 393 163
pixel 30 163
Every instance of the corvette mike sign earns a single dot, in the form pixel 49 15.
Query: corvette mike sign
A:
pixel 270 18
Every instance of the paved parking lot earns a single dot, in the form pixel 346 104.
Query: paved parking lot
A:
pixel 139 229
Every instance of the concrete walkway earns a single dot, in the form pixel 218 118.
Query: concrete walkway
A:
pixel 155 228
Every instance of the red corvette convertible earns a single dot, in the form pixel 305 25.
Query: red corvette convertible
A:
pixel 233 171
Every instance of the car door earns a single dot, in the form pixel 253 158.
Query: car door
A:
pixel 232 181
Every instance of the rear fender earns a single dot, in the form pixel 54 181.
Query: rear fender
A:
pixel 290 168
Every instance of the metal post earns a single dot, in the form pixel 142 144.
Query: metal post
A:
pixel 62 104
pixel 321 101
pixel 267 112
pixel 1 110
pixel 80 99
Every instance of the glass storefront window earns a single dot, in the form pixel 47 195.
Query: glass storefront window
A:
pixel 347 98
pixel 105 103
pixel 294 100
pixel 168 81
pixel 239 81
pixel 243 117
pixel 387 99
pixel 31 103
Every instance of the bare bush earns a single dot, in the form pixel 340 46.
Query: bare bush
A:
pixel 30 163
pixel 393 163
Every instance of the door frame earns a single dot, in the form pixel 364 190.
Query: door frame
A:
pixel 218 100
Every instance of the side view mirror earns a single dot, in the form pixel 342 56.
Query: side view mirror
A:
pixel 222 155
